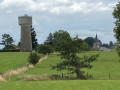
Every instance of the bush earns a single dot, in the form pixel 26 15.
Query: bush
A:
pixel 9 50
pixel 34 58
pixel 9 47
pixel 44 49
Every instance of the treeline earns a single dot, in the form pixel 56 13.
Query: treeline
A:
pixel 51 43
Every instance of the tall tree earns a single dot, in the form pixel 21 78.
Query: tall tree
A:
pixel 49 39
pixel 7 39
pixel 116 15
pixel 71 61
pixel 60 36
pixel 33 36
pixel 89 41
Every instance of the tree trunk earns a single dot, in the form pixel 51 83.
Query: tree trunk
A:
pixel 80 74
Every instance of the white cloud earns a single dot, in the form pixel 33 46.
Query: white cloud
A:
pixel 9 11
pixel 56 6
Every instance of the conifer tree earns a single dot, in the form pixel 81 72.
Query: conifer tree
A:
pixel 33 37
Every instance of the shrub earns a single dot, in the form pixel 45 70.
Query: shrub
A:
pixel 34 58
pixel 44 49
pixel 9 50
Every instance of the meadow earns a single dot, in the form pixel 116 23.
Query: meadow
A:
pixel 12 60
pixel 108 62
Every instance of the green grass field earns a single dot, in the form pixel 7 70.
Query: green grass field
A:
pixel 108 62
pixel 62 85
pixel 12 60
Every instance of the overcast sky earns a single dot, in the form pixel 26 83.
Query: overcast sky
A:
pixel 78 17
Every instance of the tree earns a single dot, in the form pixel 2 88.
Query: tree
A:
pixel 111 44
pixel 8 41
pixel 44 49
pixel 89 41
pixel 71 61
pixel 60 36
pixel 33 36
pixel 85 46
pixel 116 15
pixel 49 40
pixel 33 58
pixel 106 45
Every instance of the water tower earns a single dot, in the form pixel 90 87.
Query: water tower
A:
pixel 26 43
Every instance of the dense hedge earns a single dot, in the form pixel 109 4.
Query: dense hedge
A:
pixel 9 50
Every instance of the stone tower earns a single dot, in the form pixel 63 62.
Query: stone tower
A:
pixel 96 43
pixel 26 43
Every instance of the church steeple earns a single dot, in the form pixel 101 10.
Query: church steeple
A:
pixel 96 39
pixel 96 42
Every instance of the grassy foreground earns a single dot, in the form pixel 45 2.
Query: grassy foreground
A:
pixel 63 85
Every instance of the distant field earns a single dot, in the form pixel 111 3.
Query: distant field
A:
pixel 62 85
pixel 12 60
pixel 108 62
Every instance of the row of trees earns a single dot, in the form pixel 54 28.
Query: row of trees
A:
pixel 90 41
pixel 52 42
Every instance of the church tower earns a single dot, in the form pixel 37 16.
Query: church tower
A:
pixel 96 43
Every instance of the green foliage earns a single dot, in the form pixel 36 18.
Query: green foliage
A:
pixel 49 39
pixel 89 41
pixel 5 50
pixel 106 45
pixel 59 37
pixel 34 40
pixel 111 44
pixel 116 15
pixel 9 47
pixel 85 46
pixel 33 58
pixel 8 41
pixel 70 61
pixel 44 49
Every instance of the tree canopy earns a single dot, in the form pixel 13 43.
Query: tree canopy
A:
pixel 71 61
pixel 8 41
pixel 49 39
pixel 116 15
pixel 60 36
pixel 33 37
pixel 89 41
